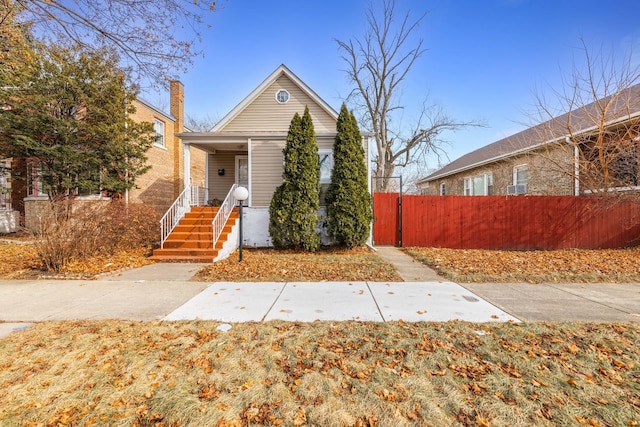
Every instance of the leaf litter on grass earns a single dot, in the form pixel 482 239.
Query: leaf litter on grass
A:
pixel 321 373
pixel 567 265
pixel 270 265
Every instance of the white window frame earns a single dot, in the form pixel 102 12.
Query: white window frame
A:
pixel 5 186
pixel 487 185
pixel 443 189
pixel 285 93
pixel 468 187
pixel 237 167
pixel 158 127
pixel 517 169
pixel 325 152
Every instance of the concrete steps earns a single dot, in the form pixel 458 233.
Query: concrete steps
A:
pixel 192 239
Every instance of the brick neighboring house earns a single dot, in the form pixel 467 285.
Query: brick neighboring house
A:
pixel 541 161
pixel 159 187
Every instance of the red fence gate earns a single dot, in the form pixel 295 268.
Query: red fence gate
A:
pixel 505 222
pixel 387 223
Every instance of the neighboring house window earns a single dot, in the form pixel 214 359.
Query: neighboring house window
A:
pixel 326 164
pixel 282 96
pixel 520 175
pixel 520 179
pixel 5 189
pixel 92 177
pixel 34 181
pixel 443 189
pixel 158 126
pixel 481 185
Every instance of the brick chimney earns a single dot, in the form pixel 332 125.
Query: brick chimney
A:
pixel 176 95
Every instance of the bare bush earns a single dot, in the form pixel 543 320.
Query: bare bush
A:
pixel 69 230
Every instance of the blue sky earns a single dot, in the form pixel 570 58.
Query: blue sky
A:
pixel 484 60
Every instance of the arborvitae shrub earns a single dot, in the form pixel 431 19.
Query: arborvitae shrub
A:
pixel 348 200
pixel 293 212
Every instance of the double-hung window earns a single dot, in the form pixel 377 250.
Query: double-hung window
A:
pixel 480 185
pixel 158 127
pixel 520 175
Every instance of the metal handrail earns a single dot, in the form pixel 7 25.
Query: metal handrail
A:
pixel 223 214
pixel 175 213
pixel 199 195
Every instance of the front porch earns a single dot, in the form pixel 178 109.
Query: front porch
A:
pixel 193 231
pixel 192 239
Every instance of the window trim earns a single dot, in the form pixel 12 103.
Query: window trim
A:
pixel 487 184
pixel 159 142
pixel 443 189
pixel 282 91
pixel 517 169
pixel 322 151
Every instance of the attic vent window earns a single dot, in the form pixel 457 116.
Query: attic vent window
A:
pixel 282 96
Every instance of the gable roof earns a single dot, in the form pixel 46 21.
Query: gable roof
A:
pixel 281 70
pixel 624 105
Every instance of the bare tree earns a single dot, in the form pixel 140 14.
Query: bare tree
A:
pixel 201 123
pixel 596 142
pixel 378 65
pixel 154 37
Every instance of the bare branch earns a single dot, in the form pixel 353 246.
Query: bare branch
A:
pixel 155 38
pixel 378 65
pixel 600 129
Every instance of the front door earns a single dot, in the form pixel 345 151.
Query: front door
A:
pixel 242 171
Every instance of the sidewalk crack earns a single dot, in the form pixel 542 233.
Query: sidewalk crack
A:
pixel 375 302
pixel 274 302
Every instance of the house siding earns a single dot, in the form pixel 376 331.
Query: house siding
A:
pixel 219 186
pixel 264 114
pixel 266 170
pixel 267 166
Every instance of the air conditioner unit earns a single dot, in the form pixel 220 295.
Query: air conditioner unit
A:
pixel 513 190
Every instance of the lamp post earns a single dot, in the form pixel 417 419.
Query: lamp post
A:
pixel 241 194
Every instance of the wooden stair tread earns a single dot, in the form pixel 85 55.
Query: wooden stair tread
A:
pixel 192 237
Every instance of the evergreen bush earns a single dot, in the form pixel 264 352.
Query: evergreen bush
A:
pixel 293 212
pixel 348 199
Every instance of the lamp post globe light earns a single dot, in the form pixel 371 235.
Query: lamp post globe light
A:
pixel 241 194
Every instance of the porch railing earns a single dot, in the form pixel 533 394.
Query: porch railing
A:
pixel 223 214
pixel 199 196
pixel 192 195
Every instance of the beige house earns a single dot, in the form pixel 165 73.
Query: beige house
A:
pixel 567 155
pixel 245 147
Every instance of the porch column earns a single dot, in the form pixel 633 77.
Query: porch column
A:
pixel 187 164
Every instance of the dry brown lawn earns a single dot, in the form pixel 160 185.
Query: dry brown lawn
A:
pixel 571 265
pixel 20 261
pixel 269 265
pixel 324 373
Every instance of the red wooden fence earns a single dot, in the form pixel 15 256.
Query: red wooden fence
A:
pixel 503 222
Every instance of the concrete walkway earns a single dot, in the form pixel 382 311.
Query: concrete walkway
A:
pixel 165 291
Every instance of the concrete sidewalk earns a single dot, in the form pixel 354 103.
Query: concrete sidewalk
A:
pixel 365 301
pixel 589 302
pixel 165 291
